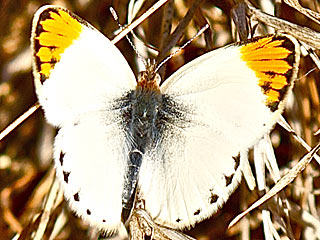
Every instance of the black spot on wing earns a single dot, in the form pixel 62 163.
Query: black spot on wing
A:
pixel 88 212
pixel 76 197
pixel 61 157
pixel 197 212
pixel 213 198
pixel 178 220
pixel 228 179
pixel 66 176
pixel 236 161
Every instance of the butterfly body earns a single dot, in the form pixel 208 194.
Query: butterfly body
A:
pixel 141 123
pixel 178 144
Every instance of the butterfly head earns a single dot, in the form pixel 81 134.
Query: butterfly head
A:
pixel 149 79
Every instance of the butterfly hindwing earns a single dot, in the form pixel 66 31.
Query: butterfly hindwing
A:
pixel 89 164
pixel 226 100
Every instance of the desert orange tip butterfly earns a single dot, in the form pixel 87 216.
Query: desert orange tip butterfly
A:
pixel 177 144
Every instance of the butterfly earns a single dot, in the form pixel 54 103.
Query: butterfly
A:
pixel 177 144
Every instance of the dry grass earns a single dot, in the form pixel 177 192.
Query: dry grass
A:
pixel 25 155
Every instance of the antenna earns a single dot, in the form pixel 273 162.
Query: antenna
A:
pixel 116 18
pixel 205 27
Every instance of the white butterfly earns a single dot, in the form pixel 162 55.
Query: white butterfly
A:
pixel 177 145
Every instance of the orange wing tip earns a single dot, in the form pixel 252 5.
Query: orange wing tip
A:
pixel 273 60
pixel 54 30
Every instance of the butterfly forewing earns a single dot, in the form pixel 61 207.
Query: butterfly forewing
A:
pixel 76 68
